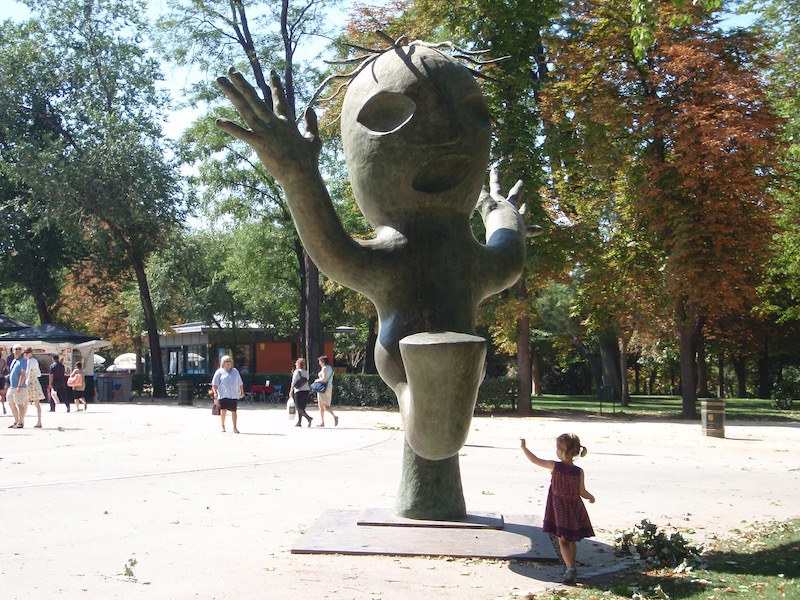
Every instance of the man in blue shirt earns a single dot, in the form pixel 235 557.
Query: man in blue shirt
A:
pixel 227 387
pixel 18 388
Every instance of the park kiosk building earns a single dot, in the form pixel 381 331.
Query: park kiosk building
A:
pixel 195 348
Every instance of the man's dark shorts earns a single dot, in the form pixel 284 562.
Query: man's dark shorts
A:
pixel 228 404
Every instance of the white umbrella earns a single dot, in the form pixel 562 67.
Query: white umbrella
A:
pixel 122 367
pixel 127 358
pixel 99 360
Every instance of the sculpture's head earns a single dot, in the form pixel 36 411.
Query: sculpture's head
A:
pixel 416 134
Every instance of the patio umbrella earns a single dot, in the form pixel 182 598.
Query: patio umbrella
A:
pixel 49 333
pixel 127 358
pixel 10 324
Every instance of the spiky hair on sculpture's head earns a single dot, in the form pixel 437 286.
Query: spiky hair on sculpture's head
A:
pixel 368 55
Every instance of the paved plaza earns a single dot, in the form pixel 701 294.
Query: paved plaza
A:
pixel 150 500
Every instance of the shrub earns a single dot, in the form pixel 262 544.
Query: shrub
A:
pixel 646 542
pixel 497 393
pixel 362 390
pixel 787 389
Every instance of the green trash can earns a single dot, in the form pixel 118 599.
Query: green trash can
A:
pixel 712 411
pixel 185 393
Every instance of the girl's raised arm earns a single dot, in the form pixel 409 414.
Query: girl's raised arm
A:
pixel 547 464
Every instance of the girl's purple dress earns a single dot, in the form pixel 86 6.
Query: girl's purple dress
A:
pixel 565 515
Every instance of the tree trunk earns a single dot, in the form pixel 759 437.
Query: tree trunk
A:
pixel 313 333
pixel 156 365
pixel 623 371
pixel 139 350
pixel 524 407
pixel 687 348
pixel 536 377
pixel 702 368
pixel 593 360
pixel 721 374
pixel 41 306
pixel 740 370
pixel 372 339
pixel 302 313
pixel 764 387
pixel 609 358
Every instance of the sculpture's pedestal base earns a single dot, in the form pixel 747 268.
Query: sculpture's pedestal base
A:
pixel 380 532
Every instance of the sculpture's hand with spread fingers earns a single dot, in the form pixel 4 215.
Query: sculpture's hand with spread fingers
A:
pixel 273 134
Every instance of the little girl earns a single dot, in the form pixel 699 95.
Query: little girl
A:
pixel 565 515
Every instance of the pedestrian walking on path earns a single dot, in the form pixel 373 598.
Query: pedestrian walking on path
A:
pixel 323 385
pixel 35 393
pixel 17 389
pixel 299 391
pixel 228 388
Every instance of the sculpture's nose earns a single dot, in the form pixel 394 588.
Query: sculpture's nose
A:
pixel 444 371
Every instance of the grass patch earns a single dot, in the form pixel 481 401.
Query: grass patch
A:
pixel 662 407
pixel 761 562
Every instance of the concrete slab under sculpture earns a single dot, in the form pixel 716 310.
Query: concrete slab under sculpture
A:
pixel 416 134
pixel 348 532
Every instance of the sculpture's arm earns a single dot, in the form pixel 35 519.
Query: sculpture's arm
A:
pixel 293 160
pixel 504 258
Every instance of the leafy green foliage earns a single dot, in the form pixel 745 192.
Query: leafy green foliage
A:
pixel 646 541
pixel 362 390
pixel 758 561
pixel 787 389
pixel 495 393
pixel 83 136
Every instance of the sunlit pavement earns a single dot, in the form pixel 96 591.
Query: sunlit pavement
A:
pixel 152 500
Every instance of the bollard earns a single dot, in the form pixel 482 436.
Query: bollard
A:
pixel 713 415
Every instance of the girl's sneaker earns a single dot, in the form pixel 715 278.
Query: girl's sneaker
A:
pixel 570 575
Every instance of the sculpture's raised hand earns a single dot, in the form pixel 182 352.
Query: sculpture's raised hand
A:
pixel 286 153
pixel 493 199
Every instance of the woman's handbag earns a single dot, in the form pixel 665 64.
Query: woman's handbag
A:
pixel 319 386
pixel 75 380
pixel 215 409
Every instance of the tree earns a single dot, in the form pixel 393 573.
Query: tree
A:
pixel 781 292
pixel 30 250
pixel 103 166
pixel 692 116
pixel 220 34
pixel 511 30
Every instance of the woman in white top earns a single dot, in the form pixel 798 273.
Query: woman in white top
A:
pixel 227 387
pixel 324 398
pixel 35 393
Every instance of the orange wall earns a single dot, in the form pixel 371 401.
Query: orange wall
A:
pixel 274 357
pixel 277 357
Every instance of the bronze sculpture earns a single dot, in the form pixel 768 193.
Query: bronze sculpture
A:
pixel 416 134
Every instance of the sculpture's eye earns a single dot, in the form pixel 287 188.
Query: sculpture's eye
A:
pixel 386 112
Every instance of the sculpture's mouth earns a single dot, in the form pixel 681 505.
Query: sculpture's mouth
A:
pixel 442 174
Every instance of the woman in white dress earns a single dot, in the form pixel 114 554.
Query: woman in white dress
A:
pixel 324 398
pixel 35 393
